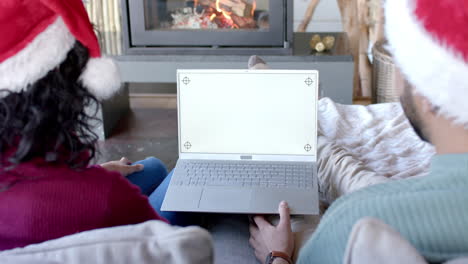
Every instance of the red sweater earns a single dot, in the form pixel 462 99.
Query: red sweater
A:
pixel 45 201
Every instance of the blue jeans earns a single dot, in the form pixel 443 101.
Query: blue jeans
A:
pixel 153 181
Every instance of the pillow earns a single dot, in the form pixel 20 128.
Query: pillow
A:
pixel 372 241
pixel 148 242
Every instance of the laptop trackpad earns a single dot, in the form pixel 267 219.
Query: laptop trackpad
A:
pixel 225 199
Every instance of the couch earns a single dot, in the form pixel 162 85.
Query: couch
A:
pixel 371 241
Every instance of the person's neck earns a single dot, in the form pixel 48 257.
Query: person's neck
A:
pixel 449 138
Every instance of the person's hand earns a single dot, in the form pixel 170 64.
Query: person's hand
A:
pixel 123 166
pixel 265 238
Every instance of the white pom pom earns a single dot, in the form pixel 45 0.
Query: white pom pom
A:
pixel 101 77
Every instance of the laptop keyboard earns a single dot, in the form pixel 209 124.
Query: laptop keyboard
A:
pixel 246 174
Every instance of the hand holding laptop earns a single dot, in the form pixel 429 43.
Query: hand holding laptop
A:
pixel 266 238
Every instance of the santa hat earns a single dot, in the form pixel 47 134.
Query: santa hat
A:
pixel 429 42
pixel 36 38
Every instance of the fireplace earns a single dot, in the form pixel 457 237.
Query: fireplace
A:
pixel 207 26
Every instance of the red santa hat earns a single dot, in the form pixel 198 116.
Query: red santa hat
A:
pixel 429 41
pixel 37 36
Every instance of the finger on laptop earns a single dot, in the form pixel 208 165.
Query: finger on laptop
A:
pixel 253 242
pixel 252 220
pixel 261 222
pixel 284 212
pixel 253 230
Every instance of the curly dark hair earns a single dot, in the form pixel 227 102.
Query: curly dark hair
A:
pixel 50 119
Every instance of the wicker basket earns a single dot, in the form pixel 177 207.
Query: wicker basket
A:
pixel 384 79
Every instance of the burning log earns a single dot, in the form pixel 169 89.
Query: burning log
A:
pixel 229 13
pixel 242 8
pixel 244 22
pixel 237 7
pixel 206 2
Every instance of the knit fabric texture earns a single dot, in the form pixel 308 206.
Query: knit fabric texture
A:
pixel 430 212
pixel 41 201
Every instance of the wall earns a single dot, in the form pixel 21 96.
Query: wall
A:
pixel 327 16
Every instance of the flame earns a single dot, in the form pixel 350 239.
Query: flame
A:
pixel 212 17
pixel 225 13
pixel 217 6
pixel 254 6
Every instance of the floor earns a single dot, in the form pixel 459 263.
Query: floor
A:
pixel 149 129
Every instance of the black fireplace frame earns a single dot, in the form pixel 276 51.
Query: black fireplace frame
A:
pixel 139 41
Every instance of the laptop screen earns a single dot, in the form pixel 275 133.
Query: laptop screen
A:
pixel 256 112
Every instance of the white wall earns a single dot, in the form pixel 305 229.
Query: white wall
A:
pixel 326 17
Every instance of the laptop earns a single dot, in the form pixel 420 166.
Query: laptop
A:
pixel 247 140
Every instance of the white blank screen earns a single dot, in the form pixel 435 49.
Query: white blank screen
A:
pixel 248 112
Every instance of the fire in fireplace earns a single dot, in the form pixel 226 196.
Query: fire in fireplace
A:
pixel 227 25
pixel 218 14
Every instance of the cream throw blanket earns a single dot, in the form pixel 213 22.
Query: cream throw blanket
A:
pixel 360 146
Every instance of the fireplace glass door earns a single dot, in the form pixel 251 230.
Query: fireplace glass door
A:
pixel 207 22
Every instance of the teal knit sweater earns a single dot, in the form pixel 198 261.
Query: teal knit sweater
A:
pixel 431 212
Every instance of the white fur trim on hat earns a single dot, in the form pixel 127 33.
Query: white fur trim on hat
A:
pixel 436 71
pixel 101 77
pixel 44 53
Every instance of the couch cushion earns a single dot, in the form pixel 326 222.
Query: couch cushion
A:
pixel 148 242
